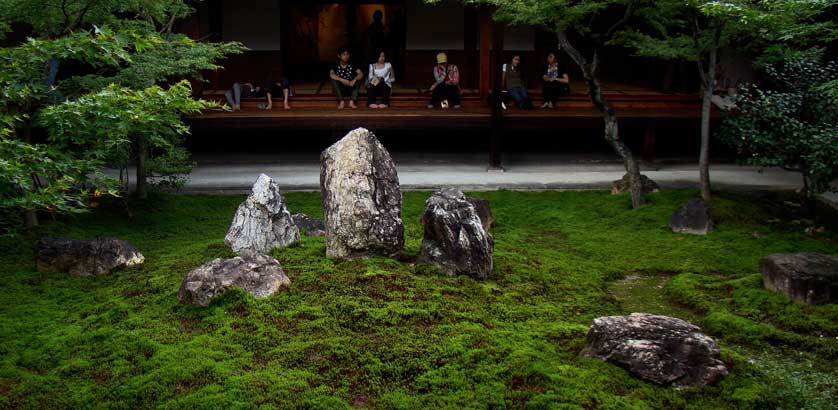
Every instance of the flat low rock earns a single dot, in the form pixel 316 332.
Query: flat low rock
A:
pixel 810 278
pixel 622 185
pixel 661 349
pixel 484 211
pixel 362 201
pixel 85 257
pixel 259 275
pixel 693 218
pixel 455 239
pixel 262 222
pixel 312 225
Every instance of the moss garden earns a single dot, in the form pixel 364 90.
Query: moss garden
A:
pixel 394 334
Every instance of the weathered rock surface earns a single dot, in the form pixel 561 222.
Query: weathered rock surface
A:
pixel 82 258
pixel 455 239
pixel 259 275
pixel 262 221
pixel 660 349
pixel 693 218
pixel 362 202
pixel 810 278
pixel 484 211
pixel 312 225
pixel 622 185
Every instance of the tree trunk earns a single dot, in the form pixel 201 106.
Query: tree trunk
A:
pixel 706 106
pixel 142 157
pixel 30 216
pixel 612 128
pixel 807 196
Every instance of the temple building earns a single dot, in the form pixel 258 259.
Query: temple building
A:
pixel 298 40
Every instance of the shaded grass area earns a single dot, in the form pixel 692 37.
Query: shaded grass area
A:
pixel 382 333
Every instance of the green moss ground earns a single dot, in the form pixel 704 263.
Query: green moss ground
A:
pixel 392 334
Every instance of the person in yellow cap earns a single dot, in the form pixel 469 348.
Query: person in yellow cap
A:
pixel 446 87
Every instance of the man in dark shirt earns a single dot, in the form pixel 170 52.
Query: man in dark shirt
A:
pixel 346 79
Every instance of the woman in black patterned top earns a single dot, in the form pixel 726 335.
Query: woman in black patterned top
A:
pixel 555 84
pixel 346 79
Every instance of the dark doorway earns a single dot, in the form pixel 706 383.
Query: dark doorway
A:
pixel 313 31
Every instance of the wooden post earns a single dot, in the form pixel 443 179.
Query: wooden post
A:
pixel 485 45
pixel 496 128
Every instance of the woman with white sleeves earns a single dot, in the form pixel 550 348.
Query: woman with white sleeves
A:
pixel 380 82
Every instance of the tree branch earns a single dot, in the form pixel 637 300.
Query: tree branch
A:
pixel 696 31
pixel 168 27
pixel 626 16
pixel 574 54
pixel 66 14
pixel 80 17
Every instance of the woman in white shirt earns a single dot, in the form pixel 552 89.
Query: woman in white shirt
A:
pixel 380 82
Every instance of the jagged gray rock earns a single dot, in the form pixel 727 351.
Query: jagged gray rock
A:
pixel 661 349
pixel 362 202
pixel 810 278
pixel 262 222
pixel 484 211
pixel 455 239
pixel 83 258
pixel 622 185
pixel 693 218
pixel 259 275
pixel 312 225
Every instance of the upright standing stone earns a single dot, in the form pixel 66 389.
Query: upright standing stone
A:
pixel 693 218
pixel 83 258
pixel 262 221
pixel 664 350
pixel 809 278
pixel 362 202
pixel 455 238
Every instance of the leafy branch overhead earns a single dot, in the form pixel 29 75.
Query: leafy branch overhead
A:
pixel 687 30
pixel 91 85
pixel 118 124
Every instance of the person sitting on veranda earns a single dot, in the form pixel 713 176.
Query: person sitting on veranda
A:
pixel 514 84
pixel 446 88
pixel 555 85
pixel 238 91
pixel 346 79
pixel 275 88
pixel 380 82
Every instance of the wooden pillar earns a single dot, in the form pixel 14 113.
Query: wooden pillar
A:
pixel 496 133
pixel 485 46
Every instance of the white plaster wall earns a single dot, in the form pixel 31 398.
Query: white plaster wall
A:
pixel 518 38
pixel 515 38
pixel 434 27
pixel 255 23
